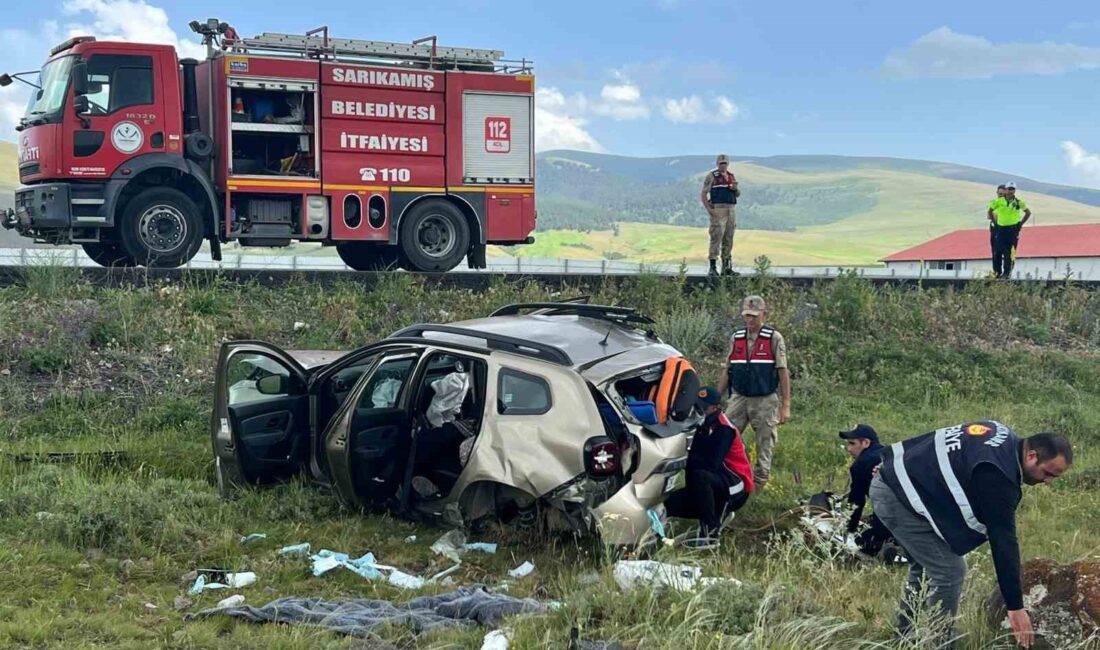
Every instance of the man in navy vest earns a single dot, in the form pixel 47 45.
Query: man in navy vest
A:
pixel 945 493
pixel 758 383
pixel 719 197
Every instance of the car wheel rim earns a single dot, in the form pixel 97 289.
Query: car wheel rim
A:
pixel 436 236
pixel 162 228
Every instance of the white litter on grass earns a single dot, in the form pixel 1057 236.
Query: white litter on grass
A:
pixel 252 537
pixel 496 640
pixel 630 573
pixel 232 601
pixel 523 570
pixel 411 539
pixel 295 550
pixel 238 580
pixel 453 545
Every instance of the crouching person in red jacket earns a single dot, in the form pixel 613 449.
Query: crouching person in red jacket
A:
pixel 719 476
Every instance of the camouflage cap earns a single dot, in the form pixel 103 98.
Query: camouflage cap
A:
pixel 753 306
pixel 722 158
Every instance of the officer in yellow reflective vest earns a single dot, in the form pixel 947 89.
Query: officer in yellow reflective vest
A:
pixel 1007 214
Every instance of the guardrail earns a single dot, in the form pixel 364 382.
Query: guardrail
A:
pixel 75 257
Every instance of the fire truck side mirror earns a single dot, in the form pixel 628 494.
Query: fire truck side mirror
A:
pixel 80 78
pixel 81 105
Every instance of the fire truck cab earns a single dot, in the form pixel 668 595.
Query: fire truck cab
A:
pixel 407 155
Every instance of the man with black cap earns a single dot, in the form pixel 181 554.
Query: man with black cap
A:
pixel 947 492
pixel 863 446
pixel 718 476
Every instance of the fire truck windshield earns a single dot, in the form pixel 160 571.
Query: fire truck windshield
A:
pixel 47 101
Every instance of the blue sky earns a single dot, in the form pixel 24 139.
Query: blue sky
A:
pixel 1007 85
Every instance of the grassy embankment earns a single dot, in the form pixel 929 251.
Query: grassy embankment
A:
pixel 92 554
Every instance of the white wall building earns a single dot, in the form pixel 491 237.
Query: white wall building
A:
pixel 1045 252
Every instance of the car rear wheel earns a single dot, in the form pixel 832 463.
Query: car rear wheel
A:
pixel 434 236
pixel 161 227
pixel 369 256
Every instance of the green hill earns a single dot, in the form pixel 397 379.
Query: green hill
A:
pixel 803 210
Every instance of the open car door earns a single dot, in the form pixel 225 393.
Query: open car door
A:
pixel 367 441
pixel 260 423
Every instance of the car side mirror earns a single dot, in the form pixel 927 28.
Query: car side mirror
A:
pixel 79 76
pixel 273 385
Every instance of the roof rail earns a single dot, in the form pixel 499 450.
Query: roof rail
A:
pixel 492 341
pixel 603 312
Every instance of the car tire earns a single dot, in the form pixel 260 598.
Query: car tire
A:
pixel 107 253
pixel 434 237
pixel 161 227
pixel 369 256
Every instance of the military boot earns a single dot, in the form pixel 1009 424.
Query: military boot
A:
pixel 727 266
pixel 713 272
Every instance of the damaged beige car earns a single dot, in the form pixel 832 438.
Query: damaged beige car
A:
pixel 565 416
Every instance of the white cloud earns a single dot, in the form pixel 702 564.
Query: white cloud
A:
pixel 559 122
pixel 621 101
pixel 128 20
pixel 695 109
pixel 1084 166
pixel 943 53
pixel 115 20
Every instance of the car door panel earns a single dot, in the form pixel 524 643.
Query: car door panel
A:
pixel 366 443
pixel 268 430
pixel 258 438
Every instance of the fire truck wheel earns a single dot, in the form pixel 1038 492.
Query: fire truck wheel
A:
pixel 161 227
pixel 434 237
pixel 107 253
pixel 369 256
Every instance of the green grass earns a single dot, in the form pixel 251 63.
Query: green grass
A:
pixel 92 551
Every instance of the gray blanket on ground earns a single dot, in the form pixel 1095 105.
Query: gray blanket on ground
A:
pixel 359 617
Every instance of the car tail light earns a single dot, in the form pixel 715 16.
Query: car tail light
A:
pixel 601 457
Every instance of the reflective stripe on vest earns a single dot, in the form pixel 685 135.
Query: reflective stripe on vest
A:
pixel 752 372
pixel 931 474
pixel 721 188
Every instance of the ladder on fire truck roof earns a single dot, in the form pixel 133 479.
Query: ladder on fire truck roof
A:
pixel 317 43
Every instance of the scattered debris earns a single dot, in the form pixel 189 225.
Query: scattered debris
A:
pixel 523 570
pixel 299 326
pixel 450 544
pixel 253 537
pixel 326 560
pixel 295 550
pixel 462 607
pixel 496 640
pixel 126 566
pixel 453 545
pixel 232 581
pixel 481 547
pixel 1062 599
pixel 43 516
pixel 150 606
pixel 411 539
pixel 238 580
pixel 629 574
pixel 235 600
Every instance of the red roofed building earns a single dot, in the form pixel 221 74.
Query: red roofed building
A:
pixel 1044 252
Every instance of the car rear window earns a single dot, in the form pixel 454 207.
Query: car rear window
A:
pixel 519 393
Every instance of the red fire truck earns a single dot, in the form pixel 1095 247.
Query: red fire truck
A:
pixel 409 155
